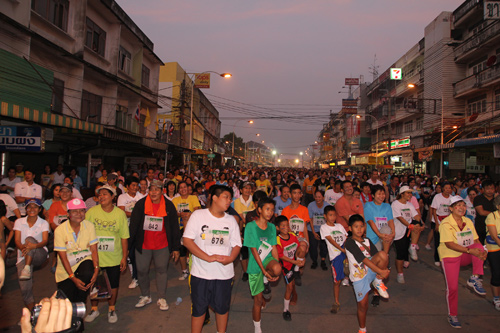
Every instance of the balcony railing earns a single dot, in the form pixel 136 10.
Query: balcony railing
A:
pixel 475 81
pixel 464 9
pixel 477 40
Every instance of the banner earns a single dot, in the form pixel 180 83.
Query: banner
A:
pixel 21 138
pixel 202 80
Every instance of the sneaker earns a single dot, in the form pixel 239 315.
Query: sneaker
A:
pixel 375 301
pixel 112 317
pixel 25 273
pixel 345 282
pixel 323 265
pixel 133 284
pixel 162 304
pixel 335 308
pixel 381 288
pixel 92 316
pixel 245 277
pixel 496 303
pixel 314 265
pixel 267 288
pixel 476 285
pixel 428 247
pixel 184 276
pixel 406 264
pixel 143 301
pixel 297 278
pixel 287 316
pixel 437 263
pixel 453 320
pixel 400 278
pixel 418 247
pixel 413 253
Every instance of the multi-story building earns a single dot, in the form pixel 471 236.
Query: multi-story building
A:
pixel 176 87
pixel 80 71
pixel 258 154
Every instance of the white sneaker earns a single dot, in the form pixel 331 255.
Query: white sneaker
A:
pixel 184 276
pixel 428 247
pixel 437 263
pixel 162 304
pixel 406 264
pixel 345 282
pixel 25 273
pixel 112 317
pixel 143 301
pixel 496 304
pixel 413 253
pixel 133 284
pixel 381 288
pixel 92 316
pixel 400 278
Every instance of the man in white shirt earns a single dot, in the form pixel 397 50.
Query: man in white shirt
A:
pixel 10 204
pixel 374 179
pixel 58 175
pixel 334 194
pixel 27 190
pixel 8 183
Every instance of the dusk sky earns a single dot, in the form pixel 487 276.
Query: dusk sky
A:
pixel 288 58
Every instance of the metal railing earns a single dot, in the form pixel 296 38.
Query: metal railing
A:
pixel 477 39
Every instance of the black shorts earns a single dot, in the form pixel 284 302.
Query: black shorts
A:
pixel 113 273
pixel 415 222
pixel 213 293
pixel 402 246
pixel 244 253
pixel 287 274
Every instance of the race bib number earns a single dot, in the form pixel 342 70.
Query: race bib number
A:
pixel 309 188
pixel 446 209
pixel 318 220
pixel 465 238
pixel 289 251
pixel 76 257
pixel 264 249
pixel 381 221
pixel 406 213
pixel 338 237
pixel 182 207
pixel 217 238
pixel 153 223
pixel 297 225
pixel 106 244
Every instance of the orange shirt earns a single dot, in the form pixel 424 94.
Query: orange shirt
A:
pixel 346 208
pixel 298 219
pixel 57 213
pixel 308 185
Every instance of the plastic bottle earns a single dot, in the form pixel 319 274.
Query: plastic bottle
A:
pixel 178 301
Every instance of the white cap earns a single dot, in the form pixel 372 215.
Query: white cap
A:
pixel 405 189
pixel 456 199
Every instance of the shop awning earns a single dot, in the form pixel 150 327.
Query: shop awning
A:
pixel 478 141
pixel 443 146
pixel 201 152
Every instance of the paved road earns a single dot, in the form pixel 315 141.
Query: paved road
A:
pixel 417 306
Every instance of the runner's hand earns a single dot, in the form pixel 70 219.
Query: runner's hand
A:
pixel 79 283
pixel 176 255
pixel 123 264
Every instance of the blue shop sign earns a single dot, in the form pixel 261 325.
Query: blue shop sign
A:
pixel 21 138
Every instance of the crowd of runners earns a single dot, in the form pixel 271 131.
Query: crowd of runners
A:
pixel 271 221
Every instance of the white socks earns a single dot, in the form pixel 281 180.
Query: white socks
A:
pixel 265 280
pixel 256 325
pixel 287 305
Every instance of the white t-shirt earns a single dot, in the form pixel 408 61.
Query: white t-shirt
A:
pixel 331 196
pixel 213 235
pixel 378 182
pixel 441 204
pixel 10 204
pixel 339 235
pixel 77 194
pixel 10 183
pixel 22 189
pixel 58 178
pixel 406 211
pixel 36 232
pixel 128 202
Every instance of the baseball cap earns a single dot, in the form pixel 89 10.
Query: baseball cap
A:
pixel 405 189
pixel 113 175
pixel 107 187
pixel 36 201
pixel 76 204
pixel 455 199
pixel 157 183
pixel 348 174
pixel 67 186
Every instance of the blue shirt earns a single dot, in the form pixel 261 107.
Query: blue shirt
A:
pixel 463 194
pixel 317 215
pixel 372 211
pixel 280 204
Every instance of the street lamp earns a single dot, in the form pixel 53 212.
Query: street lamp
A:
pixel 302 157
pixel 195 76
pixel 376 147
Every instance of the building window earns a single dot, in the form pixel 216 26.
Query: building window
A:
pixel 476 105
pixel 497 99
pixel 409 126
pixel 478 66
pixel 91 107
pixel 420 123
pixel 57 96
pixel 124 60
pixel 96 38
pixel 54 11
pixel 145 76
pixel 399 129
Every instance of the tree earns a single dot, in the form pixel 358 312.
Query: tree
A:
pixel 239 145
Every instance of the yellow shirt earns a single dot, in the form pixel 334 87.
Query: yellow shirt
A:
pixel 493 220
pixel 263 185
pixel 77 247
pixel 450 232
pixel 241 208
pixel 308 185
pixel 190 203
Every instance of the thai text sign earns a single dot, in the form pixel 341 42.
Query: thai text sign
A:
pixel 20 138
